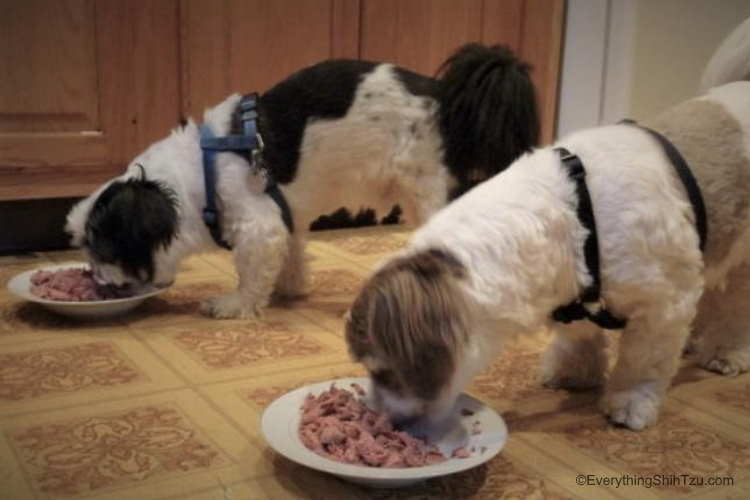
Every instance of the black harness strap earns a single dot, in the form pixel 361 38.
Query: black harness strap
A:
pixel 688 180
pixel 588 305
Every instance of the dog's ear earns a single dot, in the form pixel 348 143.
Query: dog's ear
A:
pixel 76 221
pixel 130 220
pixel 136 211
pixel 417 319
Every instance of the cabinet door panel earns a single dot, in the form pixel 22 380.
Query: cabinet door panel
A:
pixel 250 45
pixel 50 82
pixel 88 90
pixel 93 82
pixel 417 34
pixel 420 34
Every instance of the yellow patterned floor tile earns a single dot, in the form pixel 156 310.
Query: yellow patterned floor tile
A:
pixel 170 443
pixel 165 403
pixel 210 350
pixel 24 322
pixel 180 303
pixel 79 369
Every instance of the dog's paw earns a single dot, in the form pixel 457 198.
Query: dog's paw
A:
pixel 635 408
pixel 230 306
pixel 729 365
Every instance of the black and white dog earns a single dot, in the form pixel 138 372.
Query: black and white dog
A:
pixel 339 133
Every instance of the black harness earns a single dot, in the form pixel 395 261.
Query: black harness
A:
pixel 250 142
pixel 589 304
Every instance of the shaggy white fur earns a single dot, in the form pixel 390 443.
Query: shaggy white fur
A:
pixel 520 241
pixel 382 152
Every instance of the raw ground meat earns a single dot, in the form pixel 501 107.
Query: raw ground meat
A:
pixel 337 425
pixel 70 285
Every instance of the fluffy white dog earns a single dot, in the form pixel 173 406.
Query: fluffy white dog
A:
pixel 497 262
pixel 340 133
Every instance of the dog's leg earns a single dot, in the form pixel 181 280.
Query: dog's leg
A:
pixel 292 281
pixel 723 326
pixel 427 196
pixel 259 259
pixel 576 359
pixel 649 356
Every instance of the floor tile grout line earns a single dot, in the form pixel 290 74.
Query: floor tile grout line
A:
pixel 71 406
pixel 158 355
pixel 209 263
pixel 192 384
pixel 320 324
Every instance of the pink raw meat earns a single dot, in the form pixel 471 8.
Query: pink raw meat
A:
pixel 69 285
pixel 337 425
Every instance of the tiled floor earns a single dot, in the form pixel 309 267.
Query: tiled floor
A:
pixel 166 404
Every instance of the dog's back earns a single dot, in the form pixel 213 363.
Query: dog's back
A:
pixel 713 134
pixel 362 134
pixel 484 102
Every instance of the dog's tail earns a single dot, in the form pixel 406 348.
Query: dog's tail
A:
pixel 731 61
pixel 488 112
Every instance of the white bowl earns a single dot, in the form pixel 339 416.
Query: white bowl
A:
pixel 20 285
pixel 280 425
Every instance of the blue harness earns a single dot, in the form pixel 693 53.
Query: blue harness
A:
pixel 252 143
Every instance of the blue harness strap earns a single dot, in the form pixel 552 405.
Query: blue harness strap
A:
pixel 210 214
pixel 252 143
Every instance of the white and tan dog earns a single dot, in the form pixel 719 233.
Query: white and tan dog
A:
pixel 498 261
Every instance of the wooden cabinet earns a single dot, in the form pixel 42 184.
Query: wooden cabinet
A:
pixel 90 83
pixel 420 34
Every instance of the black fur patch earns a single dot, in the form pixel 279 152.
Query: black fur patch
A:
pixel 488 112
pixel 129 221
pixel 324 90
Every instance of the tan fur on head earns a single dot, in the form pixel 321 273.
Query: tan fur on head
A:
pixel 409 323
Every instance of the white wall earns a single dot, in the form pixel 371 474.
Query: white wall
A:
pixel 634 58
pixel 674 40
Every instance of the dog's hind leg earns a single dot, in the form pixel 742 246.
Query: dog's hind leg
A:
pixel 576 359
pixel 649 356
pixel 425 196
pixel 723 325
pixel 292 281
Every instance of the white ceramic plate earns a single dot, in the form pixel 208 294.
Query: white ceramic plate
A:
pixel 281 420
pixel 20 285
